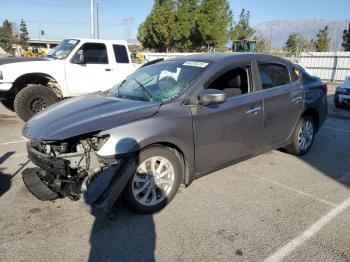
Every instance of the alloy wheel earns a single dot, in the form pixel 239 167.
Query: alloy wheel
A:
pixel 153 181
pixel 306 135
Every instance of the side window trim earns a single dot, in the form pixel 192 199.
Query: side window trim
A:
pixel 290 69
pixel 125 59
pixel 102 44
pixel 224 69
pixel 272 62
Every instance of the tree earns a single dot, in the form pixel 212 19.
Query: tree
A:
pixel 262 45
pixel 184 28
pixel 296 44
pixel 213 21
pixel 346 39
pixel 23 35
pixel 156 31
pixel 242 29
pixel 6 38
pixel 321 43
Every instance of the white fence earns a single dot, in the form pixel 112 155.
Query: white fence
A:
pixel 329 66
pixel 154 56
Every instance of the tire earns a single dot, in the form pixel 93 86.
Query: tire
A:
pixel 8 104
pixel 32 99
pixel 307 125
pixel 138 194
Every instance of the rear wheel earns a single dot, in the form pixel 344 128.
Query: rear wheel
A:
pixel 32 99
pixel 155 182
pixel 303 136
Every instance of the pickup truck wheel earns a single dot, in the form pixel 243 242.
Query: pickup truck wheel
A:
pixel 8 104
pixel 155 182
pixel 32 99
pixel 303 136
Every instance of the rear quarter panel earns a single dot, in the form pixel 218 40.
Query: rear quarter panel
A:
pixel 315 97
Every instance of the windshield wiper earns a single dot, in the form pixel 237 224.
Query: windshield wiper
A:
pixel 147 93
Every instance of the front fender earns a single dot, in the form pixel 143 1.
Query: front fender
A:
pixel 52 68
pixel 107 187
pixel 172 125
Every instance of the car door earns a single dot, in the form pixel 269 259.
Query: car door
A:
pixel 283 102
pixel 89 70
pixel 229 131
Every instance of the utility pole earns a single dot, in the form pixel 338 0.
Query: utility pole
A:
pixel 97 23
pixel 270 41
pixel 92 20
pixel 127 23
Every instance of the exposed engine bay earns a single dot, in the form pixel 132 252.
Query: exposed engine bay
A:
pixel 66 168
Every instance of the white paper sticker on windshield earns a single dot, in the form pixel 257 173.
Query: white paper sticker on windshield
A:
pixel 72 42
pixel 195 63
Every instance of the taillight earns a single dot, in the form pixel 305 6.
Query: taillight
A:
pixel 324 88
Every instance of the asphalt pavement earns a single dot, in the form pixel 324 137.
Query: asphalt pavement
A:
pixel 274 207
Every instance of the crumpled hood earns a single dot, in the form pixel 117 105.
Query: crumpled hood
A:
pixel 85 114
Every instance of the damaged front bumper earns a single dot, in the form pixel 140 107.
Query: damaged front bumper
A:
pixel 54 178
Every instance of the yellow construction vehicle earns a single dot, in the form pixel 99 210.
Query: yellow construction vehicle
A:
pixel 244 46
pixel 34 52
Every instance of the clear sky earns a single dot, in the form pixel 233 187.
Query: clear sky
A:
pixel 70 18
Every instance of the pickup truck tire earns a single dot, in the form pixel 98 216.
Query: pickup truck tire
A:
pixel 303 136
pixel 8 104
pixel 155 182
pixel 32 99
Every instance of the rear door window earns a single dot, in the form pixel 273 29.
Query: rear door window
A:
pixel 295 74
pixel 121 54
pixel 272 75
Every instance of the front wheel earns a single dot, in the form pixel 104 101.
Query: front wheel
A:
pixel 155 181
pixel 303 136
pixel 32 99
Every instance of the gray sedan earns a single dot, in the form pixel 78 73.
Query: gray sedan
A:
pixel 169 123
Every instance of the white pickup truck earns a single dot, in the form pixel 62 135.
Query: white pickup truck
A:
pixel 75 67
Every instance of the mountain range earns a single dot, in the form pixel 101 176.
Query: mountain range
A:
pixel 278 30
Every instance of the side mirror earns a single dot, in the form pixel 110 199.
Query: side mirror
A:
pixel 212 96
pixel 78 59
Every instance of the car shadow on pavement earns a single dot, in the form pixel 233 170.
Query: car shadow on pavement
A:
pixel 129 237
pixel 330 151
pixel 6 179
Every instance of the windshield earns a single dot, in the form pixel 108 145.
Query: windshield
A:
pixel 63 49
pixel 159 82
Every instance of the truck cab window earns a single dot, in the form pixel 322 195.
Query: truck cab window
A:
pixel 121 54
pixel 93 53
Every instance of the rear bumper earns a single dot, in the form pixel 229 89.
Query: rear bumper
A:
pixel 341 101
pixel 323 111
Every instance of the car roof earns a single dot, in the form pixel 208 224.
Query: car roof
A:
pixel 225 57
pixel 92 40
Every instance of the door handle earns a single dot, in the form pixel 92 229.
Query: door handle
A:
pixel 108 69
pixel 297 99
pixel 253 110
